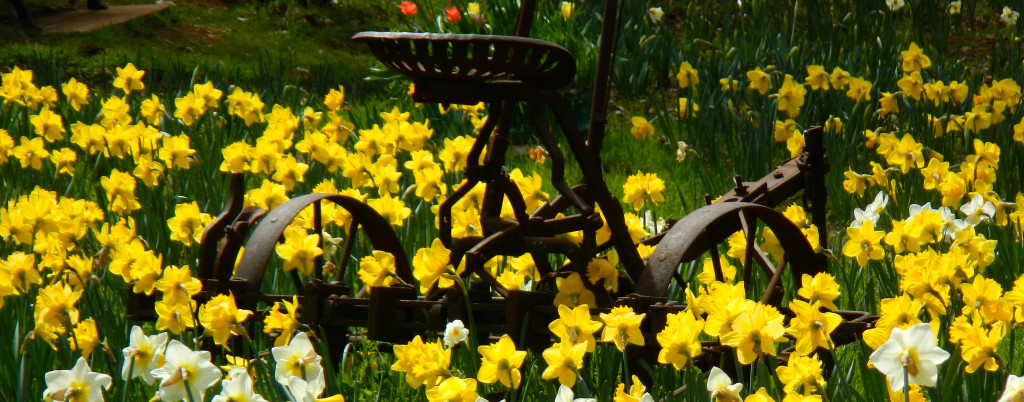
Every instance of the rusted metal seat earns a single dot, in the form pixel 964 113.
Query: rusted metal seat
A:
pixel 473 58
pixel 468 69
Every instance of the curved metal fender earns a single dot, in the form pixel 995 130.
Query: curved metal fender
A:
pixel 265 236
pixel 707 227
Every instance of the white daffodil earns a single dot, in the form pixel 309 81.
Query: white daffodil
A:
pixel 655 13
pixel 146 352
pixel 860 216
pixel 299 360
pixel 878 205
pixel 185 374
pixel 652 225
pixel 565 395
pixel 871 212
pixel 894 4
pixel 950 224
pixel 954 7
pixel 454 333
pixel 721 388
pixel 77 384
pixel 1009 16
pixel 1014 390
pixel 916 209
pixel 238 388
pixel 977 209
pixel 911 352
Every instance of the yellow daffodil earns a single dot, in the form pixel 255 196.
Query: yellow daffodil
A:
pixel 679 340
pixel 564 359
pixel 686 76
pixel 575 325
pixel 422 363
pixel 377 269
pixel 864 243
pixel 759 80
pixel 454 389
pixel 791 96
pixel 572 292
pixel 811 327
pixel 391 208
pixel 76 92
pixel 839 78
pixel 755 332
pixel 622 326
pixel 48 125
pixel 641 128
pixel 860 89
pixel 221 318
pixel 188 223
pixel 282 325
pixel 129 79
pixel 500 362
pixel 914 59
pixel 299 250
pixel 912 85
pixel 801 374
pixel 177 285
pixel 643 187
pixel 817 78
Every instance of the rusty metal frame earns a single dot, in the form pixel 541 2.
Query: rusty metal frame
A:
pixel 505 71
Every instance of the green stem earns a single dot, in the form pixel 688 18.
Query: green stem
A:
pixel 585 391
pixel 188 390
pixel 625 369
pixel 128 382
pixel 906 384
pixel 470 340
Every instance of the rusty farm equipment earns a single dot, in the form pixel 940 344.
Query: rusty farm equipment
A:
pixel 508 72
